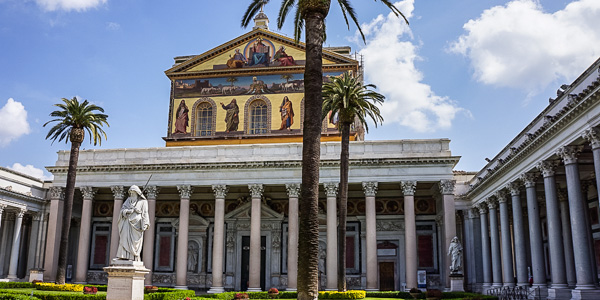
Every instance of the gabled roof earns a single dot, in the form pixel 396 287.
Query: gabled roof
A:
pixel 189 64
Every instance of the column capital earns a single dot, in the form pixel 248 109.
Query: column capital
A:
pixel 36 216
pixel 293 189
pixel 21 212
pixel 408 187
pixel 447 186
pixel 569 154
pixel 220 190
pixel 152 191
pixel 514 188
pixel 547 167
pixel 331 188
pixel 57 192
pixel 2 207
pixel 118 191
pixel 482 207
pixel 501 195
pixel 492 203
pixel 185 191
pixel 370 188
pixel 473 213
pixel 592 135
pixel 256 190
pixel 88 192
pixel 529 179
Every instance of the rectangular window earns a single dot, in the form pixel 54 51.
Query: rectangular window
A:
pixel 350 264
pixel 165 247
pixel 425 251
pixel 100 245
pixel 427 244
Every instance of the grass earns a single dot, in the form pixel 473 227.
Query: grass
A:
pixel 29 290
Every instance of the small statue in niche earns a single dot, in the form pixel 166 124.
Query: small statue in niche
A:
pixel 455 251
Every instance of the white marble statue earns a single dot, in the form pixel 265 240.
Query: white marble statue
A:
pixel 455 250
pixel 133 221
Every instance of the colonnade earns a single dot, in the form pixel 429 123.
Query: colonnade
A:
pixel 12 250
pixel 570 242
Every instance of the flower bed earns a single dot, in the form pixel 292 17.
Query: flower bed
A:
pixel 67 287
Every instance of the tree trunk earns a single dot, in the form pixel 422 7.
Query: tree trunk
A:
pixel 308 239
pixel 343 206
pixel 63 249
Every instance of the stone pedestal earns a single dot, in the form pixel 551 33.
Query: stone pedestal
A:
pixel 457 283
pixel 585 294
pixel 125 280
pixel 557 294
pixel 36 274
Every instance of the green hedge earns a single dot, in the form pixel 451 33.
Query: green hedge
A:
pixel 352 294
pixel 47 295
pixel 292 295
pixel 7 296
pixel 16 285
pixel 169 294
pixel 391 294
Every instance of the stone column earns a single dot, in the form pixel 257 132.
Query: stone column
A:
pixel 331 268
pixel 14 253
pixel 447 192
pixel 148 248
pixel 370 189
pixel 119 194
pixel 410 233
pixel 185 192
pixel 578 208
pixel 495 243
pixel 33 240
pixel 83 252
pixel 256 190
pixel 519 234
pixel 485 243
pixel 555 240
pixel 538 267
pixel 57 195
pixel 293 190
pixel 593 136
pixel 567 237
pixel 220 191
pixel 507 254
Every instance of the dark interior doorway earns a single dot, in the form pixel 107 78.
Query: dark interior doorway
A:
pixel 246 262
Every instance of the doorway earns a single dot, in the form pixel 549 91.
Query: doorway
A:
pixel 386 276
pixel 246 262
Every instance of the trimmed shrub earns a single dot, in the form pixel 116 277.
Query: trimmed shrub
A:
pixel 352 294
pixel 67 287
pixel 17 297
pixel 169 294
pixel 16 285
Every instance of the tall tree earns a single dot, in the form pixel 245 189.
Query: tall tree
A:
pixel 287 77
pixel 74 119
pixel 349 99
pixel 310 16
pixel 231 79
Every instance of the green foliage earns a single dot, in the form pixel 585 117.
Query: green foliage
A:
pixel 16 285
pixel 465 295
pixel 292 295
pixel 169 294
pixel 72 115
pixel 351 294
pixel 390 294
pixel 7 296
pixel 53 295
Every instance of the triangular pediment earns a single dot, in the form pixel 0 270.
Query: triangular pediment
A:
pixel 243 212
pixel 196 222
pixel 238 57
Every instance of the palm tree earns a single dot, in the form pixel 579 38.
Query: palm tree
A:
pixel 232 79
pixel 287 77
pixel 347 97
pixel 310 15
pixel 73 119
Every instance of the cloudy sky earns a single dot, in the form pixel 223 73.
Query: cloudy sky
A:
pixel 473 71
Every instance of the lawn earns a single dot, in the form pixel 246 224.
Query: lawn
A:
pixel 28 291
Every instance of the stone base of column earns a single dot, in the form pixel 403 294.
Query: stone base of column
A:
pixel 180 287
pixel 254 289
pixel 291 290
pixel 457 283
pixel 36 274
pixel 509 284
pixel 558 293
pixel 125 280
pixel 585 294
pixel 372 290
pixel 542 291
pixel 12 277
pixel 216 290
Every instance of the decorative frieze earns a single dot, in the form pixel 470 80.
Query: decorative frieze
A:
pixel 220 190
pixel 256 190
pixel 408 187
pixel 185 191
pixel 118 191
pixel 293 189
pixel 529 179
pixel 230 241
pixel 447 187
pixel 370 188
pixel 592 135
pixel 57 193
pixel 569 154
pixel 152 191
pixel 88 192
pixel 389 225
pixel 331 189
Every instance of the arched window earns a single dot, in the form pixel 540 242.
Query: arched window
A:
pixel 204 117
pixel 259 119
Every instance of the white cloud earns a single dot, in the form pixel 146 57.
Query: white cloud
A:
pixel 390 64
pixel 113 26
pixel 13 122
pixel 68 5
pixel 521 46
pixel 30 170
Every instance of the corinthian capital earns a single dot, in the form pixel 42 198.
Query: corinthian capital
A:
pixel 514 188
pixel 593 136
pixel 529 179
pixel 501 195
pixel 256 190
pixel 185 191
pixel 293 189
pixel 548 168
pixel 88 192
pixel 370 188
pixel 447 187
pixel 331 188
pixel 220 190
pixel 408 187
pixel 492 203
pixel 118 191
pixel 57 192
pixel 152 191
pixel 569 154
pixel 482 207
pixel 21 212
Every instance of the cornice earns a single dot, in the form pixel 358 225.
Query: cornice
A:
pixel 257 71
pixel 21 196
pixel 448 160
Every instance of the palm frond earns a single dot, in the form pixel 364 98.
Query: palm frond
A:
pixel 251 11
pixel 347 7
pixel 73 114
pixel 286 5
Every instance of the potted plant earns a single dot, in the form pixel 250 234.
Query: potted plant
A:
pixel 90 290
pixel 273 292
pixel 151 289
pixel 415 293
pixel 239 296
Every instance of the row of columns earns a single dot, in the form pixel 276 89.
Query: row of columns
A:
pixel 570 239
pixel 15 247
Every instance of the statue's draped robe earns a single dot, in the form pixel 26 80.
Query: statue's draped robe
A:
pixel 131 228
pixel 287 115
pixel 232 117
pixel 182 121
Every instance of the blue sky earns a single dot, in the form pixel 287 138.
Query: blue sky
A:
pixel 473 71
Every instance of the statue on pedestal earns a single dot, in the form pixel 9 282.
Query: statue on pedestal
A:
pixel 133 221
pixel 455 250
